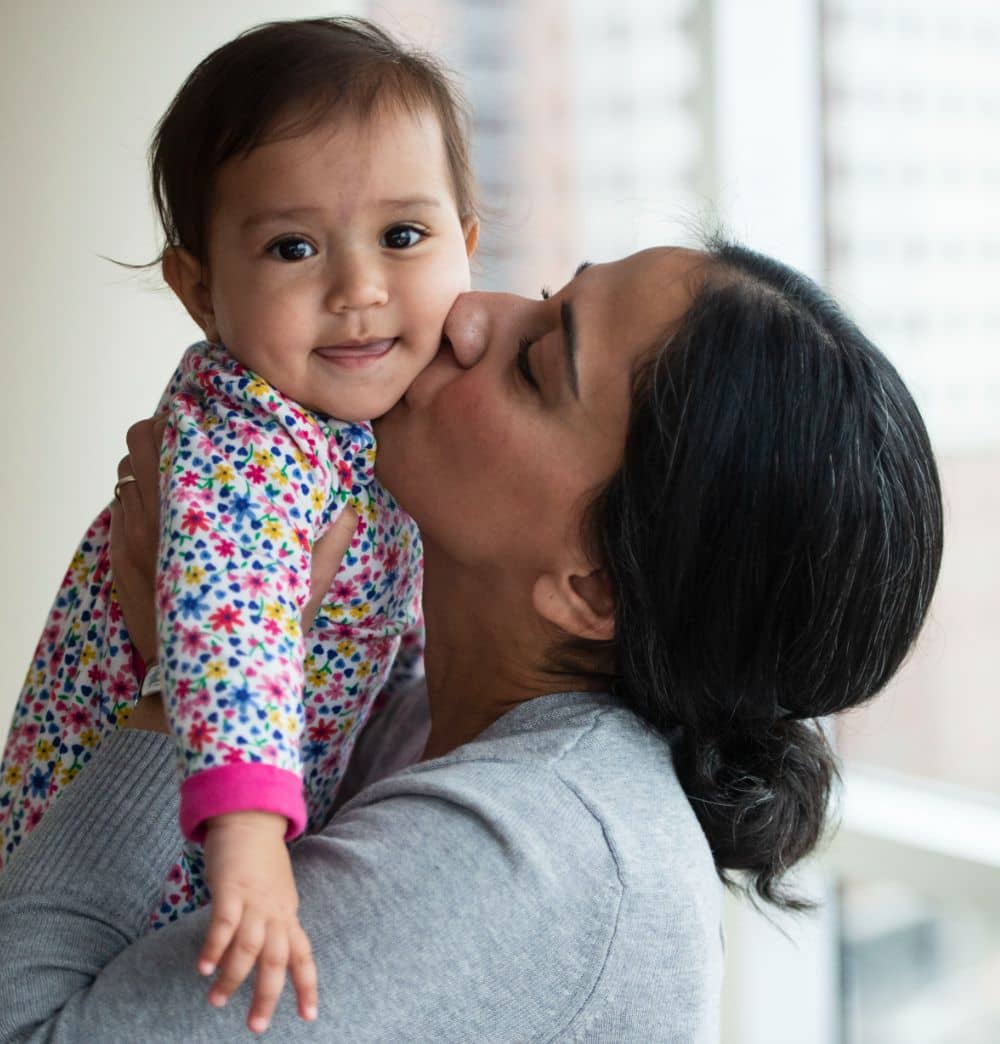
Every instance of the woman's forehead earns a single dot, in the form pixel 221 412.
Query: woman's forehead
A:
pixel 624 307
pixel 659 278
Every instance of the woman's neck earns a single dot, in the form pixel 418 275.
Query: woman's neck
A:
pixel 485 651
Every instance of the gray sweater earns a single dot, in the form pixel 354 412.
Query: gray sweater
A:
pixel 546 882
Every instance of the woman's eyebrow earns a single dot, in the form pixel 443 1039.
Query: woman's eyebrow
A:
pixel 569 346
pixel 568 324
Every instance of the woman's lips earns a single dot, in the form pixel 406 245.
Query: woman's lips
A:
pixel 353 354
pixel 441 370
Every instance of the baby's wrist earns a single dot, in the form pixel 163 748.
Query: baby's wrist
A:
pixel 249 820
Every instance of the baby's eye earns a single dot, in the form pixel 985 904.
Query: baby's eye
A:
pixel 292 248
pixel 401 237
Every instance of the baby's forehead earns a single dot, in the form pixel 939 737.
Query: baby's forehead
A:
pixel 397 160
pixel 262 83
pixel 299 133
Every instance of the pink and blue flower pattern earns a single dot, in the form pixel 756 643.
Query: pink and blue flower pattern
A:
pixel 263 716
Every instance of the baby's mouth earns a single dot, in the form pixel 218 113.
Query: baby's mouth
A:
pixel 356 350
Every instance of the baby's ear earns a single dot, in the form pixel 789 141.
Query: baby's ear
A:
pixel 187 277
pixel 471 229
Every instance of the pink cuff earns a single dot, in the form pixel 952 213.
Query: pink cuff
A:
pixel 248 786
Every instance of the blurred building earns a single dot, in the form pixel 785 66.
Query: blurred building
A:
pixel 588 141
pixel 913 239
pixel 912 112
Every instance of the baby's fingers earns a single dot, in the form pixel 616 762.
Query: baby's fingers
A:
pixel 269 981
pixel 226 914
pixel 303 969
pixel 238 960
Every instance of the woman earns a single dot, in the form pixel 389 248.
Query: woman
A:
pixel 670 515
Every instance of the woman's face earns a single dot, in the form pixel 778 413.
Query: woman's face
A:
pixel 498 444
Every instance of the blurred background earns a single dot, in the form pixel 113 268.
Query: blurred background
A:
pixel 856 139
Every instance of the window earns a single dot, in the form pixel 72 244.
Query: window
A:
pixel 912 103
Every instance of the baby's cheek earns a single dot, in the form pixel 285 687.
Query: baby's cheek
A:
pixel 439 295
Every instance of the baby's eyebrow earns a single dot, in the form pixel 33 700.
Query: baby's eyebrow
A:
pixel 410 201
pixel 262 217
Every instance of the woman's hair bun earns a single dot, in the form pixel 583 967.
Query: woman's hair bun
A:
pixel 760 792
pixel 773 538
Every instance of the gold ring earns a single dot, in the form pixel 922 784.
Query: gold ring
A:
pixel 123 481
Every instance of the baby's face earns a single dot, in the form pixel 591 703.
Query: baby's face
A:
pixel 334 258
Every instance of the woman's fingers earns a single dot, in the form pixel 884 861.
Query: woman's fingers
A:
pixel 133 543
pixel 303 970
pixel 269 980
pixel 143 460
pixel 135 533
pixel 327 554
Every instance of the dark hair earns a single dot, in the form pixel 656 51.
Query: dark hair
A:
pixel 773 537
pixel 281 79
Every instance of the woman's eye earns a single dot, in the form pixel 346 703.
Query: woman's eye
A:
pixel 292 248
pixel 524 362
pixel 401 237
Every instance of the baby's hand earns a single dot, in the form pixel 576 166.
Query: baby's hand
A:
pixel 254 916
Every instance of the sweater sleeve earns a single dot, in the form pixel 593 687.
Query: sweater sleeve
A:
pixel 437 906
pixel 249 480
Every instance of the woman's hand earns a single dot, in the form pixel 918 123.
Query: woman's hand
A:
pixel 327 554
pixel 135 524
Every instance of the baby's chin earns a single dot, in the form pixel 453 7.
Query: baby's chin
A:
pixel 363 404
pixel 354 415
pixel 358 394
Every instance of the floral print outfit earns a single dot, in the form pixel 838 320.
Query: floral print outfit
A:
pixel 263 716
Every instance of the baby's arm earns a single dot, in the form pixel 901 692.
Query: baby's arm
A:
pixel 255 903
pixel 255 916
pixel 245 491
pixel 253 839
pixel 236 530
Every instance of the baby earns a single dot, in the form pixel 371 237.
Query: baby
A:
pixel 314 186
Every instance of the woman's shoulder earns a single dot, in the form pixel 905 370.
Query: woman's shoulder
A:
pixel 566 758
pixel 567 813
pixel 619 770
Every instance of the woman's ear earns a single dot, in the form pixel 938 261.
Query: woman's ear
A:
pixel 581 604
pixel 471 229
pixel 186 276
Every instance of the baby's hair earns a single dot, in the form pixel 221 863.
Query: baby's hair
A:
pixel 283 79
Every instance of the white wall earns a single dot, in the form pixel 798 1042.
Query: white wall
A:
pixel 86 345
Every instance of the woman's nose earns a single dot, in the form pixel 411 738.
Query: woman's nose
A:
pixel 356 283
pixel 476 321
